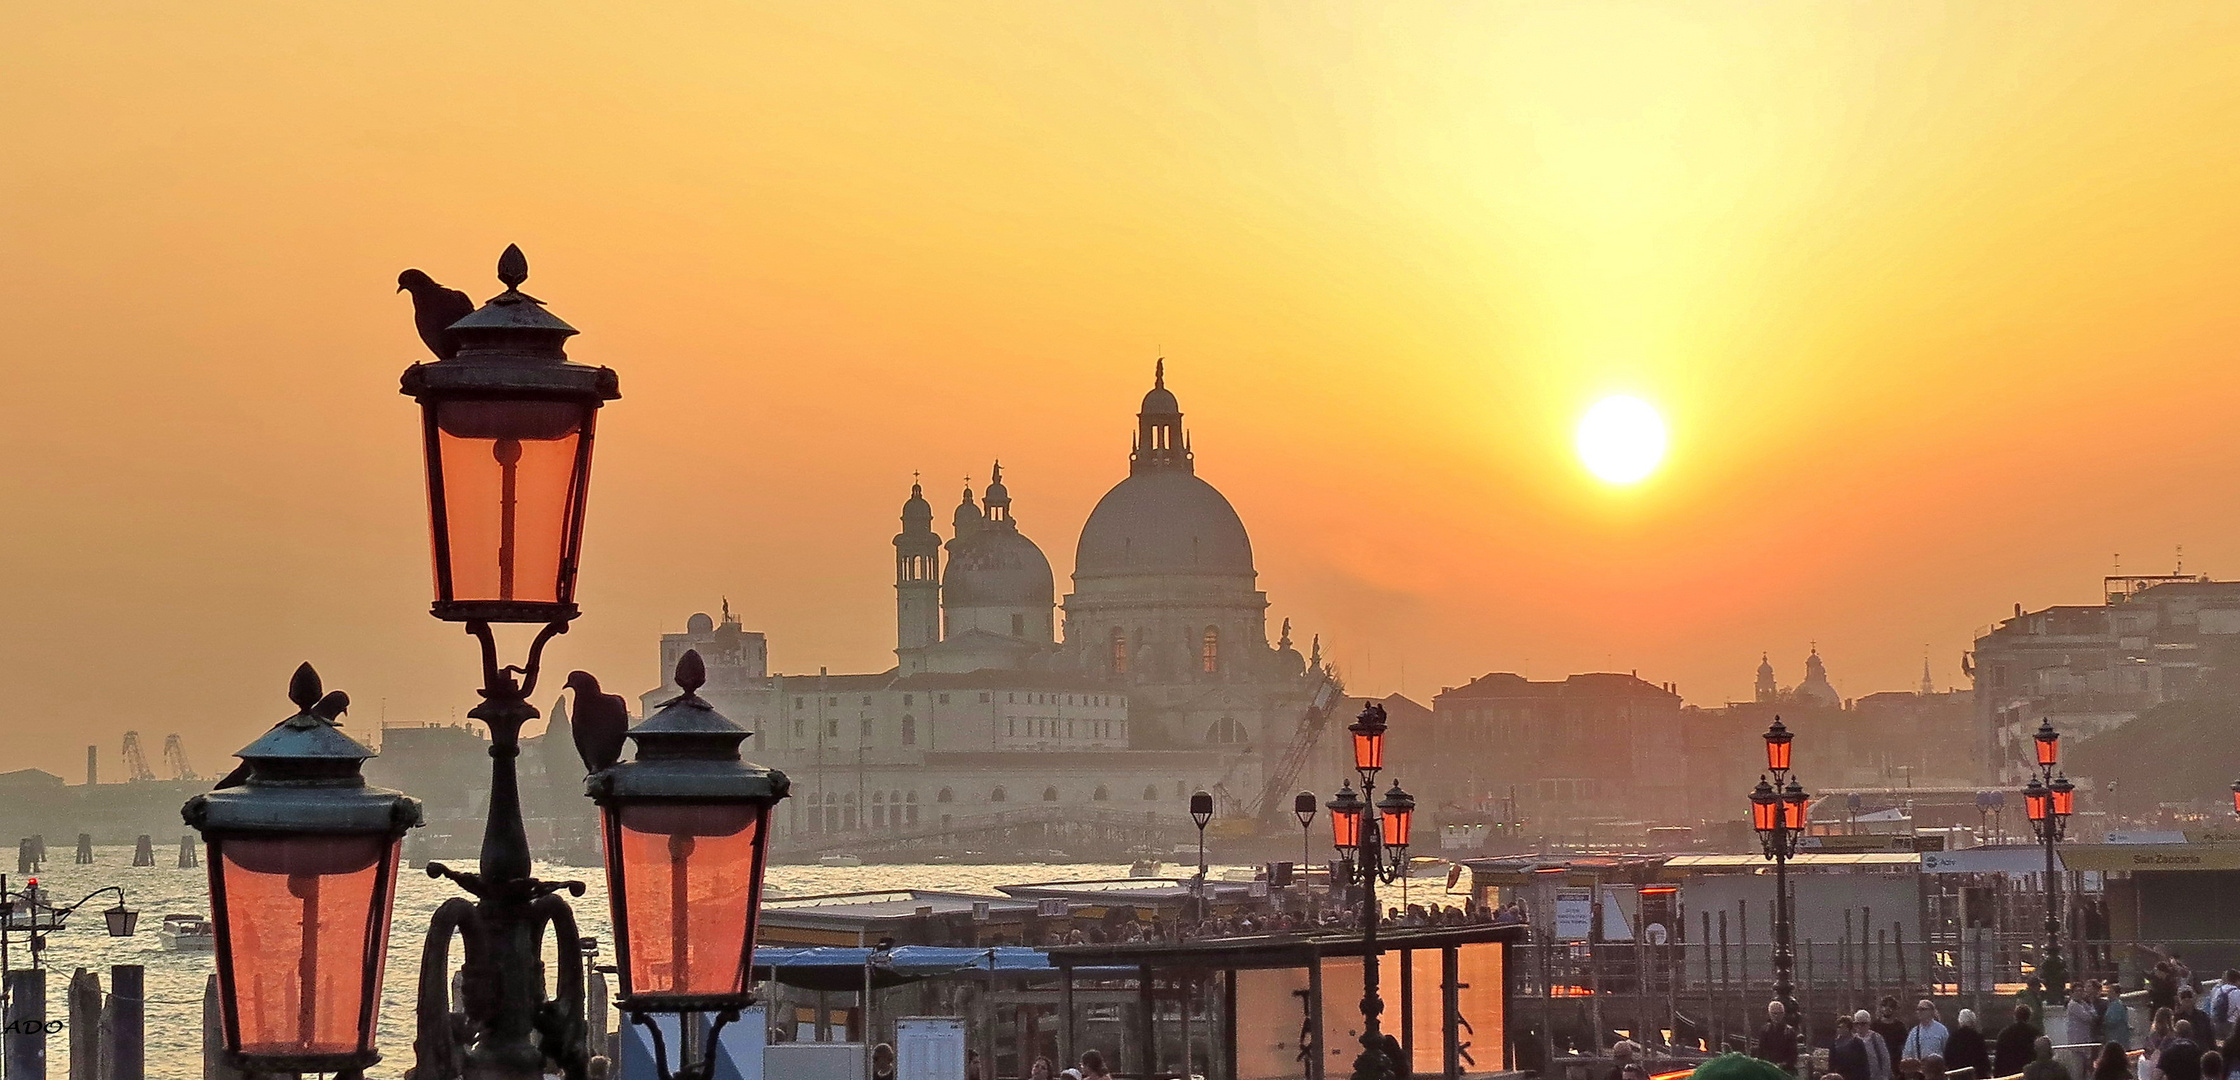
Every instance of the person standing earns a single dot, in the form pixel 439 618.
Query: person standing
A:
pixel 2042 1064
pixel 2224 1003
pixel 2181 1060
pixel 1848 1054
pixel 2016 1046
pixel 1966 1049
pixel 2113 1063
pixel 1777 1041
pixel 2189 1012
pixel 1880 1065
pixel 2115 1017
pixel 1929 1035
pixel 2161 1032
pixel 2083 1016
pixel 1887 1025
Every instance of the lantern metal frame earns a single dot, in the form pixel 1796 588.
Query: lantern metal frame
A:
pixel 1372 846
pixel 1777 814
pixel 303 778
pixel 687 755
pixel 510 350
pixel 2049 799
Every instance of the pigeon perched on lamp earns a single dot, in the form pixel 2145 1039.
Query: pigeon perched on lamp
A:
pixel 305 687
pixel 434 309
pixel 601 720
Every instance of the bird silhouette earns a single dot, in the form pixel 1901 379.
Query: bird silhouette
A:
pixel 333 705
pixel 434 309
pixel 600 721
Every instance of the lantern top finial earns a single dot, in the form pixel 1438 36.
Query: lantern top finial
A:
pixel 692 673
pixel 513 266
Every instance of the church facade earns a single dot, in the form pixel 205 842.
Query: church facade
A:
pixel 1152 678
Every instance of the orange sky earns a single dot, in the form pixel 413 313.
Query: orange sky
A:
pixel 1938 302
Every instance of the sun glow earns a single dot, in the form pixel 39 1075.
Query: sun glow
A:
pixel 1621 439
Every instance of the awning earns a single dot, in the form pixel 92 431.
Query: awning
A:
pixel 2152 856
pixel 1991 860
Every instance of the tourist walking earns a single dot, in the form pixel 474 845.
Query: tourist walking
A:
pixel 2042 1064
pixel 1887 1025
pixel 1848 1054
pixel 2113 1063
pixel 2017 1044
pixel 1777 1041
pixel 1966 1049
pixel 1880 1065
pixel 1928 1036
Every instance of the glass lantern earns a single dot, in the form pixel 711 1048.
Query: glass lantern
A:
pixel 1345 821
pixel 1303 807
pixel 1399 811
pixel 686 826
pixel 2049 744
pixel 2035 798
pixel 1778 737
pixel 506 425
pixel 1793 804
pixel 1765 808
pixel 1201 808
pixel 302 858
pixel 2064 795
pixel 1368 739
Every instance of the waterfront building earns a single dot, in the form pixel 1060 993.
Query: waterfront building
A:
pixel 2091 667
pixel 1592 746
pixel 1158 680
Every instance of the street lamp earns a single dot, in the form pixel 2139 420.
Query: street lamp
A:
pixel 2049 798
pixel 1777 813
pixel 1303 808
pixel 303 866
pixel 1372 846
pixel 2236 797
pixel 506 427
pixel 1201 812
pixel 686 825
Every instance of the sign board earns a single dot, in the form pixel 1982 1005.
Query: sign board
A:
pixel 929 1048
pixel 1574 914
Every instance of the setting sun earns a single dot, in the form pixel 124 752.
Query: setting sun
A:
pixel 1621 439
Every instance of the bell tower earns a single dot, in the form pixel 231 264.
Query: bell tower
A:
pixel 1160 441
pixel 917 579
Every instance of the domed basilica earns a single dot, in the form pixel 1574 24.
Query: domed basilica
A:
pixel 1162 656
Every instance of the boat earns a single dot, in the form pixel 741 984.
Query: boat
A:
pixel 1146 867
pixel 840 858
pixel 187 933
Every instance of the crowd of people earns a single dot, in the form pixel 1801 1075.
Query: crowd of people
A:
pixel 2190 1034
pixel 1327 918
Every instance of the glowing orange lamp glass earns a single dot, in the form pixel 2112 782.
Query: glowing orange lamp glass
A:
pixel 1778 738
pixel 2049 745
pixel 1765 807
pixel 1345 820
pixel 1793 803
pixel 2064 796
pixel 2236 796
pixel 1368 739
pixel 2035 798
pixel 1399 810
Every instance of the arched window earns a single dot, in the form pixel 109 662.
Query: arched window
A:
pixel 1101 795
pixel 878 810
pixel 1225 732
pixel 1151 793
pixel 997 795
pixel 1209 653
pixel 945 795
pixel 912 809
pixel 1119 652
pixel 1049 794
pixel 909 730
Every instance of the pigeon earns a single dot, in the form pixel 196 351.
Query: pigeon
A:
pixel 434 309
pixel 333 705
pixel 600 722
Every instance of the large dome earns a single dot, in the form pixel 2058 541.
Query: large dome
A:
pixel 995 566
pixel 1163 521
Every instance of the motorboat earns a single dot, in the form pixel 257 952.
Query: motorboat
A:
pixel 187 933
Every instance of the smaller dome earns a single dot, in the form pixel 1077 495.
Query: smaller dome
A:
pixel 699 623
pixel 916 510
pixel 968 517
pixel 997 567
pixel 1160 401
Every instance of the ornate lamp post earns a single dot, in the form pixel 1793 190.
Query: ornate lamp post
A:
pixel 2050 798
pixel 303 864
pixel 506 430
pixel 1372 847
pixel 1303 807
pixel 687 831
pixel 1777 812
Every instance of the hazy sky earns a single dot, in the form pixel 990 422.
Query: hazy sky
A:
pixel 1939 303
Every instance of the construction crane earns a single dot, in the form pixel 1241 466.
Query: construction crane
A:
pixel 1251 817
pixel 135 762
pixel 175 758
